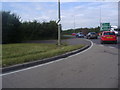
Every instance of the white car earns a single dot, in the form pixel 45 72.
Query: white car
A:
pixel 80 35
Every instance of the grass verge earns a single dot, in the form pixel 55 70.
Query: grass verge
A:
pixel 20 53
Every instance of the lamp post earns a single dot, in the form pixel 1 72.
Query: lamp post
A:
pixel 59 25
pixel 74 23
pixel 119 15
pixel 100 18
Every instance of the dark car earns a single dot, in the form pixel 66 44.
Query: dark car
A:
pixel 92 35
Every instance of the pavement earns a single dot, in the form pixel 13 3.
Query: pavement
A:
pixel 97 67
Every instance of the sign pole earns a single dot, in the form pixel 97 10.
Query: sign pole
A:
pixel 59 25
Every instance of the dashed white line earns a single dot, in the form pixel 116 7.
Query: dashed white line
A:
pixel 111 47
pixel 108 46
pixel 101 45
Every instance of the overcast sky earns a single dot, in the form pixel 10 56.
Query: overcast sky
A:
pixel 80 14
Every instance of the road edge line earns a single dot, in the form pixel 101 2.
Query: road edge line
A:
pixel 30 65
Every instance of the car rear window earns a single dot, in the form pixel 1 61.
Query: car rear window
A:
pixel 109 33
pixel 93 33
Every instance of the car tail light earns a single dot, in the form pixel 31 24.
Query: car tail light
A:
pixel 114 37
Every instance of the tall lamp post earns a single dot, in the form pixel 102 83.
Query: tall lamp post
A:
pixel 100 18
pixel 59 25
pixel 74 24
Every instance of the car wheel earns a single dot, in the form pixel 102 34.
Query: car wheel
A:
pixel 115 42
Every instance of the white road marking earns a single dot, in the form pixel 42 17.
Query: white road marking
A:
pixel 111 47
pixel 83 50
pixel 101 45
pixel 48 62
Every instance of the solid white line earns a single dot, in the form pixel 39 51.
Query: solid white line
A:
pixel 83 50
pixel 48 62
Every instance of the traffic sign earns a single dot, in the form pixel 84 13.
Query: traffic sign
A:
pixel 105 27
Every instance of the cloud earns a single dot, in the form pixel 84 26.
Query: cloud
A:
pixel 60 0
pixel 82 14
pixel 29 11
pixel 88 14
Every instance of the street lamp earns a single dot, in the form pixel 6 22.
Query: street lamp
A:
pixel 74 23
pixel 100 18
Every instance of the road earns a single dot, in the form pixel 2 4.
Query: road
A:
pixel 96 67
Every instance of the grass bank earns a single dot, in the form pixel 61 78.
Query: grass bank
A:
pixel 19 53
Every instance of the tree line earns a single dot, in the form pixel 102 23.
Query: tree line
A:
pixel 84 30
pixel 14 30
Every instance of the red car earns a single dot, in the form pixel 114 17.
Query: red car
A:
pixel 108 36
pixel 73 34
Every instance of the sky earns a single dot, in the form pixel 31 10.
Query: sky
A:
pixel 73 14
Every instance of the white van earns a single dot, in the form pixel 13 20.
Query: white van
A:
pixel 114 29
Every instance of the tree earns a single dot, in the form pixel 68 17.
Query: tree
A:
pixel 10 25
pixel 36 31
pixel 14 31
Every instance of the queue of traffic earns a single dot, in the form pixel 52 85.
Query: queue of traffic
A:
pixel 107 33
pixel 105 36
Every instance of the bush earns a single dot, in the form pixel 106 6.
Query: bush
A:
pixel 14 31
pixel 10 24
pixel 37 31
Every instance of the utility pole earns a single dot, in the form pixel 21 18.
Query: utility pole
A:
pixel 59 25
pixel 74 23
pixel 119 16
pixel 100 17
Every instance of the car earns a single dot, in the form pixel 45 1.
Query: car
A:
pixel 73 34
pixel 92 35
pixel 118 33
pixel 115 29
pixel 108 36
pixel 80 35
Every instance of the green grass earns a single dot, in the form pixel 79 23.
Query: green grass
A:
pixel 19 53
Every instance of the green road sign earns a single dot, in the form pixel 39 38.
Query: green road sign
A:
pixel 105 27
pixel 105 24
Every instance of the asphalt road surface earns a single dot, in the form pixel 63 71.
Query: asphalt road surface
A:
pixel 96 67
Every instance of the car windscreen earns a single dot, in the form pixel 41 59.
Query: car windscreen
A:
pixel 109 33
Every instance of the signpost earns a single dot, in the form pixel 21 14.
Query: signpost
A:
pixel 59 25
